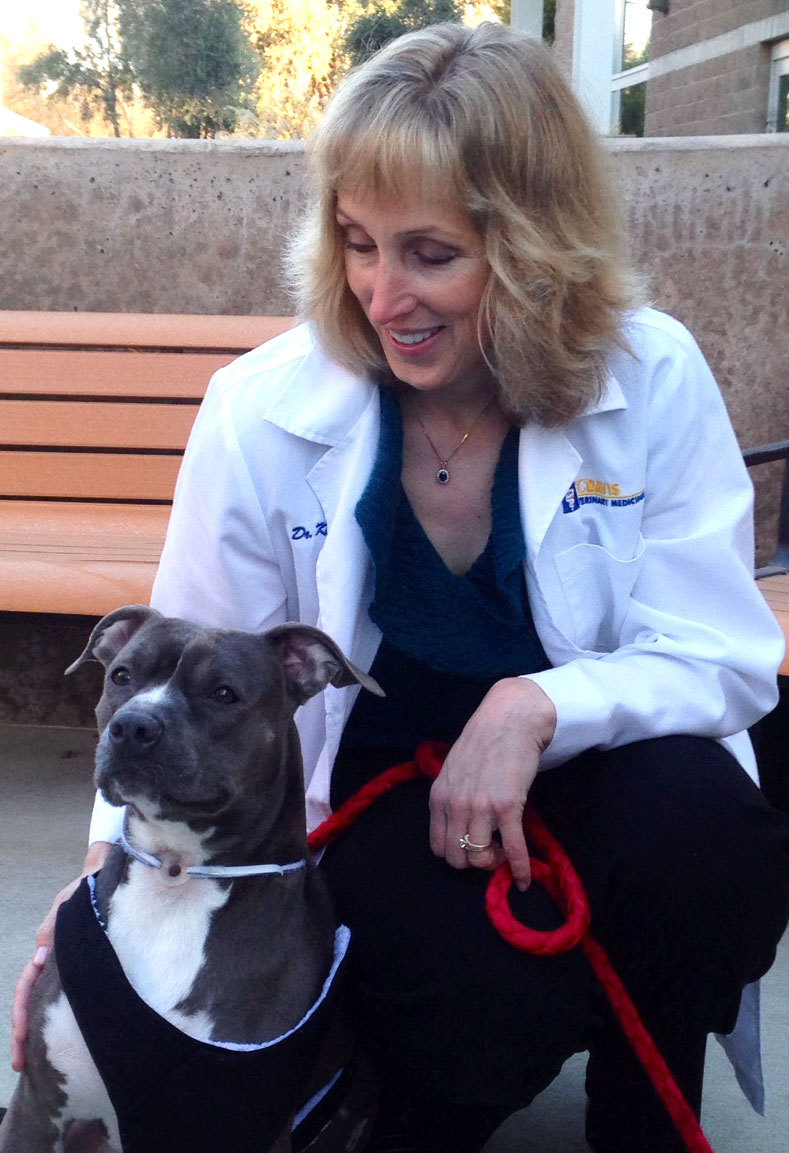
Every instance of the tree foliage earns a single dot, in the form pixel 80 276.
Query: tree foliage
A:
pixel 97 73
pixel 379 23
pixel 301 55
pixel 305 50
pixel 549 21
pixel 203 67
pixel 192 60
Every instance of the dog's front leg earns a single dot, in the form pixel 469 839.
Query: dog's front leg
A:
pixel 60 1084
pixel 87 1137
pixel 27 1127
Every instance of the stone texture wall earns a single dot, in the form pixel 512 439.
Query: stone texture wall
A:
pixel 146 225
pixel 709 224
pixel 35 651
pixel 198 227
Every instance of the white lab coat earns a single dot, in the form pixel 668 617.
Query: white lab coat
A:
pixel 637 520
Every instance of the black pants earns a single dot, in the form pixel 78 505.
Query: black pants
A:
pixel 687 871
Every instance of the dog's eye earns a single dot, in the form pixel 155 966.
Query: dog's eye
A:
pixel 224 695
pixel 120 676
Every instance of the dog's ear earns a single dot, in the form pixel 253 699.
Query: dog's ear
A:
pixel 311 661
pixel 112 633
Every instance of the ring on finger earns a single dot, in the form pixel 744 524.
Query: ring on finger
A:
pixel 472 846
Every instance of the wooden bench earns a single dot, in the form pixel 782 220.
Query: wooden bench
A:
pixel 776 592
pixel 95 410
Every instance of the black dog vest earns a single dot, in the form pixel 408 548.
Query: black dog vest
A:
pixel 169 1090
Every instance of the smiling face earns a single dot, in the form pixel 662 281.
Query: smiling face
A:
pixel 418 270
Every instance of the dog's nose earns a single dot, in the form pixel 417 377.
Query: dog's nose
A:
pixel 136 730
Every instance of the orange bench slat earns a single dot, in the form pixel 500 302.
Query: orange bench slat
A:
pixel 128 373
pixel 74 538
pixel 82 476
pixel 145 330
pixel 90 532
pixel 775 590
pixel 59 585
pixel 78 558
pixel 88 424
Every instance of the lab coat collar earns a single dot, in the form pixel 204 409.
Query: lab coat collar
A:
pixel 338 480
pixel 340 413
pixel 327 414
pixel 549 463
pixel 319 401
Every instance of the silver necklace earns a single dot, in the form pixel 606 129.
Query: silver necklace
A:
pixel 443 475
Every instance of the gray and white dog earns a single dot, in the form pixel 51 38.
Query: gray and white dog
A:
pixel 209 918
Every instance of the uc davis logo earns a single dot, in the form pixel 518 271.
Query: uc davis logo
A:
pixel 589 490
pixel 570 502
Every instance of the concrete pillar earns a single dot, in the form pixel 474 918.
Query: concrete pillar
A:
pixel 593 58
pixel 527 16
pixel 585 51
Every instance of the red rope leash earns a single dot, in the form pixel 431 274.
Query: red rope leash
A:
pixel 553 870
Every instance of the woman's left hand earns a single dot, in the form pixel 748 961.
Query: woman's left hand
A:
pixel 486 777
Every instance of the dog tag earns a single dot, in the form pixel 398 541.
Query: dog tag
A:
pixel 173 871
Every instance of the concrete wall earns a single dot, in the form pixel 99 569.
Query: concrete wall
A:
pixel 35 651
pixel 185 226
pixel 709 222
pixel 146 225
pixel 196 226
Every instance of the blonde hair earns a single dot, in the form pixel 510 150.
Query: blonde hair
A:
pixel 481 115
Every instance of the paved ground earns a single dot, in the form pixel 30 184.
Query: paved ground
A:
pixel 45 795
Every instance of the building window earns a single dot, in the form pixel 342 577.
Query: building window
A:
pixel 631 68
pixel 778 101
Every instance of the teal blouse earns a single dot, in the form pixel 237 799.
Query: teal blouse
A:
pixel 446 638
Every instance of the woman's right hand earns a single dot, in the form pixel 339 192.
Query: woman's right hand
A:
pixel 45 936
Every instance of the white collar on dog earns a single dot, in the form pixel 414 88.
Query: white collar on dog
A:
pixel 175 874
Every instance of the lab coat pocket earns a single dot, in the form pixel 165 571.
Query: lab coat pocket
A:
pixel 597 586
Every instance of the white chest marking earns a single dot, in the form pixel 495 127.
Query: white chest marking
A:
pixel 87 1098
pixel 158 836
pixel 159 935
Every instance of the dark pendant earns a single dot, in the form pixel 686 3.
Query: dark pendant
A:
pixel 442 475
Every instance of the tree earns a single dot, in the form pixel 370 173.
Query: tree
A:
pixel 549 21
pixel 97 73
pixel 379 23
pixel 192 61
pixel 300 48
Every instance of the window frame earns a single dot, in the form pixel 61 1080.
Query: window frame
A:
pixel 779 71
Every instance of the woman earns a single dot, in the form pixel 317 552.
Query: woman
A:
pixel 519 502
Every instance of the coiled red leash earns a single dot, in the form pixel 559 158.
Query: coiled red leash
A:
pixel 553 870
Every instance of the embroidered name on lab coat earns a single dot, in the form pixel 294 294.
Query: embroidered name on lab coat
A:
pixel 303 532
pixel 589 490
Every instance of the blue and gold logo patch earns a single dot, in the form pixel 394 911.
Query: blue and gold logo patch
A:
pixel 589 490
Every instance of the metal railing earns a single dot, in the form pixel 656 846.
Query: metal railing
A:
pixel 763 454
